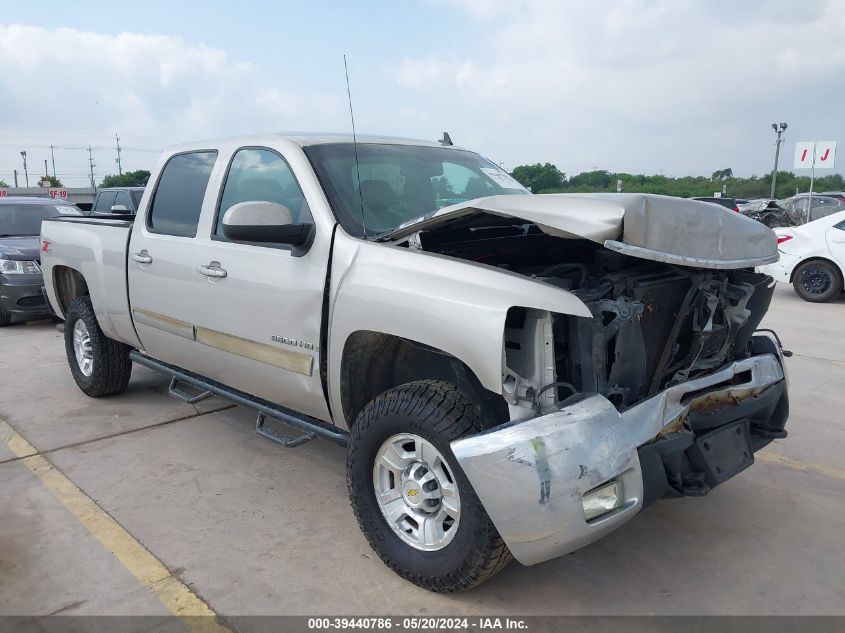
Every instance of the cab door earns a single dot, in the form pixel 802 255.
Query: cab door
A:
pixel 161 268
pixel 259 306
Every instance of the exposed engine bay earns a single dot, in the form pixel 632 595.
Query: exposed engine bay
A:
pixel 654 324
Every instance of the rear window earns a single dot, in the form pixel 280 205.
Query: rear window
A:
pixel 177 201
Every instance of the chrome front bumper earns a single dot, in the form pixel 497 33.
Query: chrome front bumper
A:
pixel 578 448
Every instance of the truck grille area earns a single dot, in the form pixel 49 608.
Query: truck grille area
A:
pixel 655 327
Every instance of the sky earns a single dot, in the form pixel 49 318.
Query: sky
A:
pixel 677 87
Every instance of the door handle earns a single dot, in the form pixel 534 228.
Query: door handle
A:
pixel 142 258
pixel 213 269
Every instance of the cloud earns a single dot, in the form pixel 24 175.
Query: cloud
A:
pixel 142 85
pixel 673 85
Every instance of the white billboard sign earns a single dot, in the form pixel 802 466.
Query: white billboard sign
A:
pixel 815 155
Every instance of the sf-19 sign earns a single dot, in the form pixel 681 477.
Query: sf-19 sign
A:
pixel 4 193
pixel 58 193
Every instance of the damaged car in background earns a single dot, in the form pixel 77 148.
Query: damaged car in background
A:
pixel 513 375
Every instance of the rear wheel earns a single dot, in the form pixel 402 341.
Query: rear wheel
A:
pixel 412 501
pixel 100 365
pixel 817 281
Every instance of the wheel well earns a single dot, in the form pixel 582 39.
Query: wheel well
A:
pixel 817 259
pixel 374 362
pixel 69 284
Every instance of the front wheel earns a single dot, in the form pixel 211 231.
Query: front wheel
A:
pixel 412 501
pixel 100 365
pixel 817 281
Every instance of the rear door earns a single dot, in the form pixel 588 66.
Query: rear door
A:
pixel 162 273
pixel 260 305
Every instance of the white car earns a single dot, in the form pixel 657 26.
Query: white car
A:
pixel 812 258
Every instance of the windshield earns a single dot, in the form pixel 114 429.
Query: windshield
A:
pixel 25 219
pixel 400 183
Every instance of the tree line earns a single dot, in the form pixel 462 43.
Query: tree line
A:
pixel 547 178
pixel 136 178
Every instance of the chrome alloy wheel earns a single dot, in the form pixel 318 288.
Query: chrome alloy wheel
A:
pixel 82 348
pixel 417 492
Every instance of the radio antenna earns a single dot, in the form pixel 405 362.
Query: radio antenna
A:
pixel 355 146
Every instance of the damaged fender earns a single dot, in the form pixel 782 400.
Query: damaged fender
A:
pixel 447 304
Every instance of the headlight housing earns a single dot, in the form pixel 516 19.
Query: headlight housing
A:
pixel 19 267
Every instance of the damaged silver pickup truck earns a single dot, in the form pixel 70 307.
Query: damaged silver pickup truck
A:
pixel 514 375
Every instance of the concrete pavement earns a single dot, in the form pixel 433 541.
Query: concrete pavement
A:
pixel 250 528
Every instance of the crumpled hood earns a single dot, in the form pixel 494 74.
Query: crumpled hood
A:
pixel 20 248
pixel 660 228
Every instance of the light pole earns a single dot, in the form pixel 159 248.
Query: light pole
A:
pixel 779 129
pixel 25 172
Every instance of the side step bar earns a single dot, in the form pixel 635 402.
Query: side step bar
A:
pixel 311 427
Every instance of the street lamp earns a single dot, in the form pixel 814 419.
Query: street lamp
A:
pixel 779 129
pixel 26 173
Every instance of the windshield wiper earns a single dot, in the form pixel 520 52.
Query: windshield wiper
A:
pixel 386 234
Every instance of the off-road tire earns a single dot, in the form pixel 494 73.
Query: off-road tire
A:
pixel 440 413
pixel 112 367
pixel 817 267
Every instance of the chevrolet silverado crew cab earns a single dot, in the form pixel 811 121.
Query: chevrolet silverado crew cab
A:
pixel 514 375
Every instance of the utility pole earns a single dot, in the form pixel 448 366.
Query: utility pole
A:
pixel 779 130
pixel 119 167
pixel 53 158
pixel 25 172
pixel 91 167
pixel 16 179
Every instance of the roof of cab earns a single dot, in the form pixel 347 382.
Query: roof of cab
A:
pixel 304 139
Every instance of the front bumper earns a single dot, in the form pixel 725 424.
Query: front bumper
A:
pixel 583 445
pixel 23 297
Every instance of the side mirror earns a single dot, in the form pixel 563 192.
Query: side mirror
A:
pixel 267 222
pixel 120 208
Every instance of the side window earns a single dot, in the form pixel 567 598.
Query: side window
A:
pixel 261 175
pixel 123 198
pixel 104 202
pixel 177 201
pixel 840 226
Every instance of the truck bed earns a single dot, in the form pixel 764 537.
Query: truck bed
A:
pixel 95 247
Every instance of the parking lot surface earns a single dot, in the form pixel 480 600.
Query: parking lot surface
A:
pixel 134 503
